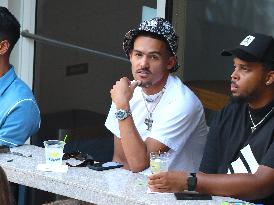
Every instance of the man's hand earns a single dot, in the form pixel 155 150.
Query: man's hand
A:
pixel 168 182
pixel 122 92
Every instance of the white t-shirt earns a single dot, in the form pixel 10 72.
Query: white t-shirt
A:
pixel 178 122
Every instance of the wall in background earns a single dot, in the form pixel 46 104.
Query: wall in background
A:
pixel 213 25
pixel 98 25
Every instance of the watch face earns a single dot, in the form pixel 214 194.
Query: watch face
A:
pixel 121 114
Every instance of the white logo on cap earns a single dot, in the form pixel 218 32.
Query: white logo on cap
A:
pixel 247 41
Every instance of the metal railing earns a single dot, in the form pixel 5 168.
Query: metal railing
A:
pixel 49 41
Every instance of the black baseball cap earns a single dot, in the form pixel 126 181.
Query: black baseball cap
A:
pixel 255 47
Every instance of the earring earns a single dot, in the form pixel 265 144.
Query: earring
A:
pixel 267 83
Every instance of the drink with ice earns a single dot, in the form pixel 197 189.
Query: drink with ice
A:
pixel 54 152
pixel 159 162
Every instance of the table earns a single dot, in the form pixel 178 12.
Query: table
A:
pixel 117 186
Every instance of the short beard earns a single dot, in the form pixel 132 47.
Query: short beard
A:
pixel 145 85
pixel 245 99
pixel 239 99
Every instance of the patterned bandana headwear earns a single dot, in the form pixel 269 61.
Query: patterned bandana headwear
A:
pixel 157 26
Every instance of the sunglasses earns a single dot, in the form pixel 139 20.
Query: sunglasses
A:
pixel 85 158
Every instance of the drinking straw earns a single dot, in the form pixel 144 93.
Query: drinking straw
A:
pixel 65 139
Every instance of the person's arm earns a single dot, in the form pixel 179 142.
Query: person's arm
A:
pixel 244 186
pixel 135 150
pixel 118 153
pixel 20 123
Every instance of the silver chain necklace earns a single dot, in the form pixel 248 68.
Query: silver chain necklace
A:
pixel 148 120
pixel 254 127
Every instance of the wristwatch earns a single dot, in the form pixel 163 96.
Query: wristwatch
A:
pixel 191 182
pixel 122 114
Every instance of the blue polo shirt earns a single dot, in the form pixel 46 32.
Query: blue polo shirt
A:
pixel 19 113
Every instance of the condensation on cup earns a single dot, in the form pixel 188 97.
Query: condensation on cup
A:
pixel 159 162
pixel 54 152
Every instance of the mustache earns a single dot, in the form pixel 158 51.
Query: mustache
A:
pixel 143 70
pixel 233 83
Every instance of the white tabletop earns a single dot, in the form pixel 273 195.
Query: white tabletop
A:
pixel 117 186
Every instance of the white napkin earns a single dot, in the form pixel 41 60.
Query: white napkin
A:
pixel 60 168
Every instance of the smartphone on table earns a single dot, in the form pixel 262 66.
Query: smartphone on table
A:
pixel 100 166
pixel 192 196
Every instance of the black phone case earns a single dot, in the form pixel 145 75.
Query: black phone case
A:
pixel 99 167
pixel 192 196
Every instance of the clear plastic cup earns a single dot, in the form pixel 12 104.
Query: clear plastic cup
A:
pixel 54 152
pixel 159 162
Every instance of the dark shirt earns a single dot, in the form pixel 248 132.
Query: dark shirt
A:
pixel 231 131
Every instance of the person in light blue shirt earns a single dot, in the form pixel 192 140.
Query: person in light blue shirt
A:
pixel 19 113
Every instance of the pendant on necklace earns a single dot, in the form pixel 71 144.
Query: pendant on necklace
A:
pixel 148 123
pixel 253 129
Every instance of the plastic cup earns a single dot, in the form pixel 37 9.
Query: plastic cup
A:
pixel 54 152
pixel 159 162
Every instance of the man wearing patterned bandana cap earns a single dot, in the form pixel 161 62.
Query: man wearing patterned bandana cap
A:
pixel 155 112
pixel 19 113
pixel 239 155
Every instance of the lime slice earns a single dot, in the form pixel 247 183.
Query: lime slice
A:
pixel 155 166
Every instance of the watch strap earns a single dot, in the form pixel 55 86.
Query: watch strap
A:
pixel 191 182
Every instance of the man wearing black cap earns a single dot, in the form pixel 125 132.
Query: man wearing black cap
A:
pixel 239 155
pixel 161 114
